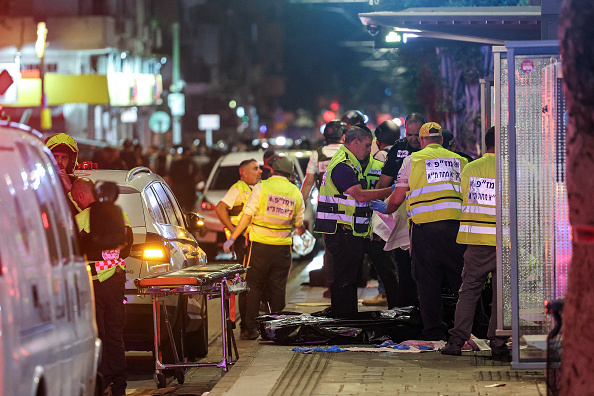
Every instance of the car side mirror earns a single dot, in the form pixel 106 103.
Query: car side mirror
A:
pixel 195 222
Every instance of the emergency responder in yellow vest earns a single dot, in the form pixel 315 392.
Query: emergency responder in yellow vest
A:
pixel 407 288
pixel 65 151
pixel 318 162
pixel 344 215
pixel 429 179
pixel 273 209
pixel 477 230
pixel 386 134
pixel 109 282
pixel 229 211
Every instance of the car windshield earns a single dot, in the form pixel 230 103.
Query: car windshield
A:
pixel 224 178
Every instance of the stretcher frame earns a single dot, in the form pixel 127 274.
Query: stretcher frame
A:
pixel 159 287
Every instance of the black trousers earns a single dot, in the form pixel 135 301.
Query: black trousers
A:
pixel 384 265
pixel 435 256
pixel 110 315
pixel 241 255
pixel 407 288
pixel 347 256
pixel 267 275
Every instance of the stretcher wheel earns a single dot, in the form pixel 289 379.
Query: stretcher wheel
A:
pixel 160 380
pixel 180 376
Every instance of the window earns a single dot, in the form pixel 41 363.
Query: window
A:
pixel 63 221
pixel 167 206
pixel 224 177
pixel 153 205
pixel 35 179
pixel 176 208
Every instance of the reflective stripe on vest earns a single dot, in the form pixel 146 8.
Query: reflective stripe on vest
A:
pixel 244 193
pixel 280 200
pixel 349 201
pixel 435 190
pixel 339 208
pixel 478 223
pixel 343 218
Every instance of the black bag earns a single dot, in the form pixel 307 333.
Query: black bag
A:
pixel 290 328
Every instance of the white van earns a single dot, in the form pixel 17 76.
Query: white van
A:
pixel 48 335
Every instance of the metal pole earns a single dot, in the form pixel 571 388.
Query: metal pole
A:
pixel 224 362
pixel 175 85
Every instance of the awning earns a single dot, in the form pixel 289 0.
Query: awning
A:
pixel 485 25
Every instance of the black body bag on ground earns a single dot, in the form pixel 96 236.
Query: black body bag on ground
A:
pixel 291 328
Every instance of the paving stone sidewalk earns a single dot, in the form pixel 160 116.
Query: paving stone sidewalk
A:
pixel 269 369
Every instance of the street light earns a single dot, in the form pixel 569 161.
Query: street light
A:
pixel 40 44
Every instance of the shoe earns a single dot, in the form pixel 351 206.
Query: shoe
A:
pixel 451 349
pixel 249 335
pixel 499 350
pixel 327 293
pixel 379 300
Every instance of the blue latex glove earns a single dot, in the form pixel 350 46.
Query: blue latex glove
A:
pixel 378 206
pixel 227 245
pixel 393 187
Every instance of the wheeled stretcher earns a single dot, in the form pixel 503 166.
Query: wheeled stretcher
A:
pixel 210 281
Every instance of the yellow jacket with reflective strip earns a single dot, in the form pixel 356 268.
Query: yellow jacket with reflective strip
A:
pixel 478 222
pixel 435 192
pixel 244 193
pixel 372 172
pixel 335 207
pixel 83 220
pixel 280 201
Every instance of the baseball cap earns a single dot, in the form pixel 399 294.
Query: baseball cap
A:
pixel 430 129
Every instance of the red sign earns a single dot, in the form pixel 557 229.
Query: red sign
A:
pixel 5 81
pixel 527 66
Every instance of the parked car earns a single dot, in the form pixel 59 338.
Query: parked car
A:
pixel 48 335
pixel 163 242
pixel 224 174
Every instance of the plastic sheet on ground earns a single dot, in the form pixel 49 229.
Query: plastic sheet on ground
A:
pixel 371 327
pixel 410 346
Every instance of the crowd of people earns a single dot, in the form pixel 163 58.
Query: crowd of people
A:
pixel 416 208
pixel 422 215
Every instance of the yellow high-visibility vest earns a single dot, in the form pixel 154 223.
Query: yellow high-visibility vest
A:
pixel 335 207
pixel 244 193
pixel 372 173
pixel 435 192
pixel 478 221
pixel 280 201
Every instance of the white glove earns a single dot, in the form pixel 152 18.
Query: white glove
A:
pixel 228 244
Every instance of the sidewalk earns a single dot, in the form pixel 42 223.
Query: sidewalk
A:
pixel 269 369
